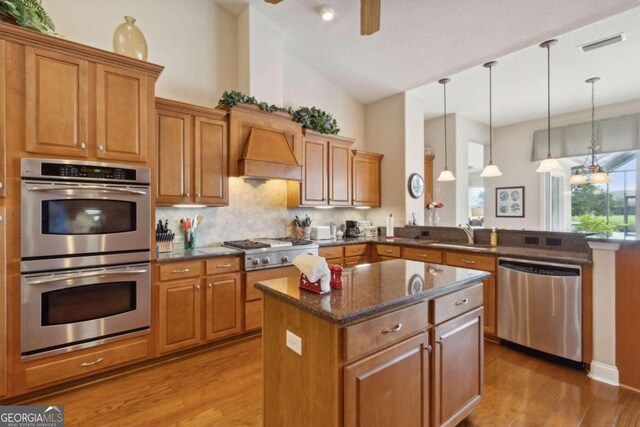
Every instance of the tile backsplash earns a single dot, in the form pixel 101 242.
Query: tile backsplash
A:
pixel 256 209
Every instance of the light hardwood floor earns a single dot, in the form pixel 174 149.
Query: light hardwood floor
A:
pixel 223 387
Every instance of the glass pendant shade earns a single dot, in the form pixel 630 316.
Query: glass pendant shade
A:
pixel 491 171
pixel 446 175
pixel 549 165
pixel 128 40
pixel 577 179
pixel 600 178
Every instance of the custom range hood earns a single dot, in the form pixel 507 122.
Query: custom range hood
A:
pixel 268 155
pixel 264 145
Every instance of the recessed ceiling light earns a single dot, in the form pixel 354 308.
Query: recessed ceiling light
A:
pixel 327 13
pixel 603 42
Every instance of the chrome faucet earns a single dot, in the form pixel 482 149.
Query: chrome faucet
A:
pixel 468 231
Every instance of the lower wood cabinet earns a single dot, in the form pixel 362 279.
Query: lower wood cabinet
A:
pixel 223 315
pixel 180 305
pixel 458 367
pixel 389 388
pixel 490 299
pixel 3 292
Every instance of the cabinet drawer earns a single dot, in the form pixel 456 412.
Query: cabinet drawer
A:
pixel 369 336
pixel 223 265
pixel 353 250
pixel 456 303
pixel 86 364
pixel 477 262
pixel 253 315
pixel 332 252
pixel 389 251
pixel 424 255
pixel 179 270
pixel 355 260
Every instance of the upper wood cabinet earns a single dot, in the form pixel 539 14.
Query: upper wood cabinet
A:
pixel 122 116
pixel 192 153
pixel 326 179
pixel 82 102
pixel 428 178
pixel 366 179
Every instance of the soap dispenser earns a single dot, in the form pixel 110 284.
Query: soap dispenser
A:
pixel 494 237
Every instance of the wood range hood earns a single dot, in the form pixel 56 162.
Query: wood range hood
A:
pixel 264 145
pixel 267 155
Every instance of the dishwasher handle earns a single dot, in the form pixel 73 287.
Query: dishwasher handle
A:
pixel 540 269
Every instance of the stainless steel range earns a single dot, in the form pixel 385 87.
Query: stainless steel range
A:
pixel 269 253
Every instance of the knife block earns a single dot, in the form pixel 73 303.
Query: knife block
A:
pixel 165 247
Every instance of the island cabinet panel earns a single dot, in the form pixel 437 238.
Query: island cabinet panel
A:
pixel 489 298
pixel 121 114
pixel 3 303
pixel 389 388
pixel 366 179
pixel 458 367
pixel 179 315
pixel 173 156
pixel 192 154
pixel 56 103
pixel 223 315
pixel 456 303
pixel 339 174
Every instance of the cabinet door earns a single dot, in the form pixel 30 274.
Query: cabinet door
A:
pixel 121 114
pixel 339 174
pixel 458 358
pixel 3 314
pixel 222 312
pixel 173 157
pixel 314 184
pixel 389 388
pixel 366 181
pixel 490 303
pixel 211 162
pixel 3 122
pixel 179 315
pixel 56 110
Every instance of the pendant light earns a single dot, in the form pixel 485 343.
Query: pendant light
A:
pixel 491 170
pixel 593 173
pixel 446 174
pixel 549 164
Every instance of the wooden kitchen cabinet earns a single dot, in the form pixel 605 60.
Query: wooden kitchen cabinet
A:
pixel 3 122
pixel 3 293
pixel 77 106
pixel 490 298
pixel 390 387
pixel 180 304
pixel 457 367
pixel 366 179
pixel 192 154
pixel 326 179
pixel 223 315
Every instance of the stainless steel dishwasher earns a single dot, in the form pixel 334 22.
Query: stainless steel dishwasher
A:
pixel 540 306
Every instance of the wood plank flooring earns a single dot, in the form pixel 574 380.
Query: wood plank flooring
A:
pixel 223 387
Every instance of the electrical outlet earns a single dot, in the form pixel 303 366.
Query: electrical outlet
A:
pixel 294 342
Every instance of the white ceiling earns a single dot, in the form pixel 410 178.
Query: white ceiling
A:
pixel 420 40
pixel 520 79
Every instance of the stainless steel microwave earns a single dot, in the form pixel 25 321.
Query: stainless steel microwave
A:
pixel 72 208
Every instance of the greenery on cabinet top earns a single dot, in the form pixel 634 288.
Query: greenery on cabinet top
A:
pixel 28 14
pixel 311 118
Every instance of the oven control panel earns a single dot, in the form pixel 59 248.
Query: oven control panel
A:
pixel 85 171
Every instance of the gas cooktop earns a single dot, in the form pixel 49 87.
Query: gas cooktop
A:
pixel 269 253
pixel 267 243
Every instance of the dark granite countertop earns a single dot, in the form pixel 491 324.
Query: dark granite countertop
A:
pixel 623 238
pixel 537 254
pixel 197 253
pixel 370 289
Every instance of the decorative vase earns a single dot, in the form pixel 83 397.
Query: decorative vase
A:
pixel 189 239
pixel 128 40
pixel 434 218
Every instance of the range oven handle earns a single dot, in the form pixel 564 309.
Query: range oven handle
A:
pixel 85 275
pixel 88 187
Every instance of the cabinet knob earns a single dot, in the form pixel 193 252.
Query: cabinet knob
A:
pixel 198 195
pixel 100 147
pixel 186 195
pixel 1 185
pixel 1 218
pixel 210 286
pixel 83 145
pixel 198 287
pixel 428 349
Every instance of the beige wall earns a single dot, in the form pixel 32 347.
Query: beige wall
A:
pixel 413 152
pixel 192 41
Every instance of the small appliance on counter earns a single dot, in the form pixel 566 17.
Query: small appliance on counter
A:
pixel 352 229
pixel 321 233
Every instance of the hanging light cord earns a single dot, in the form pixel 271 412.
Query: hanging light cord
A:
pixel 549 100
pixel 490 120
pixel 593 123
pixel 445 124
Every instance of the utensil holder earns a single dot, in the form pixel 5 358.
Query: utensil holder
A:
pixel 189 239
pixel 165 247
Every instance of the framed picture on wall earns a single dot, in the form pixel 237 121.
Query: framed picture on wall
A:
pixel 510 202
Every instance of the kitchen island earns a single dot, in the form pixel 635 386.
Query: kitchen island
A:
pixel 400 344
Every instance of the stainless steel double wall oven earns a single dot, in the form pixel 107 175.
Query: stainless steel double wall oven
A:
pixel 85 249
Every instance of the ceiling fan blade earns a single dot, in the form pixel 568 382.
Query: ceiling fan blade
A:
pixel 369 17
pixel 273 1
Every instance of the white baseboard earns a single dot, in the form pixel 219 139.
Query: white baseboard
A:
pixel 604 373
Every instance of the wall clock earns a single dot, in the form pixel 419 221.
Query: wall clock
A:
pixel 416 185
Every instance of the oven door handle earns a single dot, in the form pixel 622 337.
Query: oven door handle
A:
pixel 84 276
pixel 89 187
